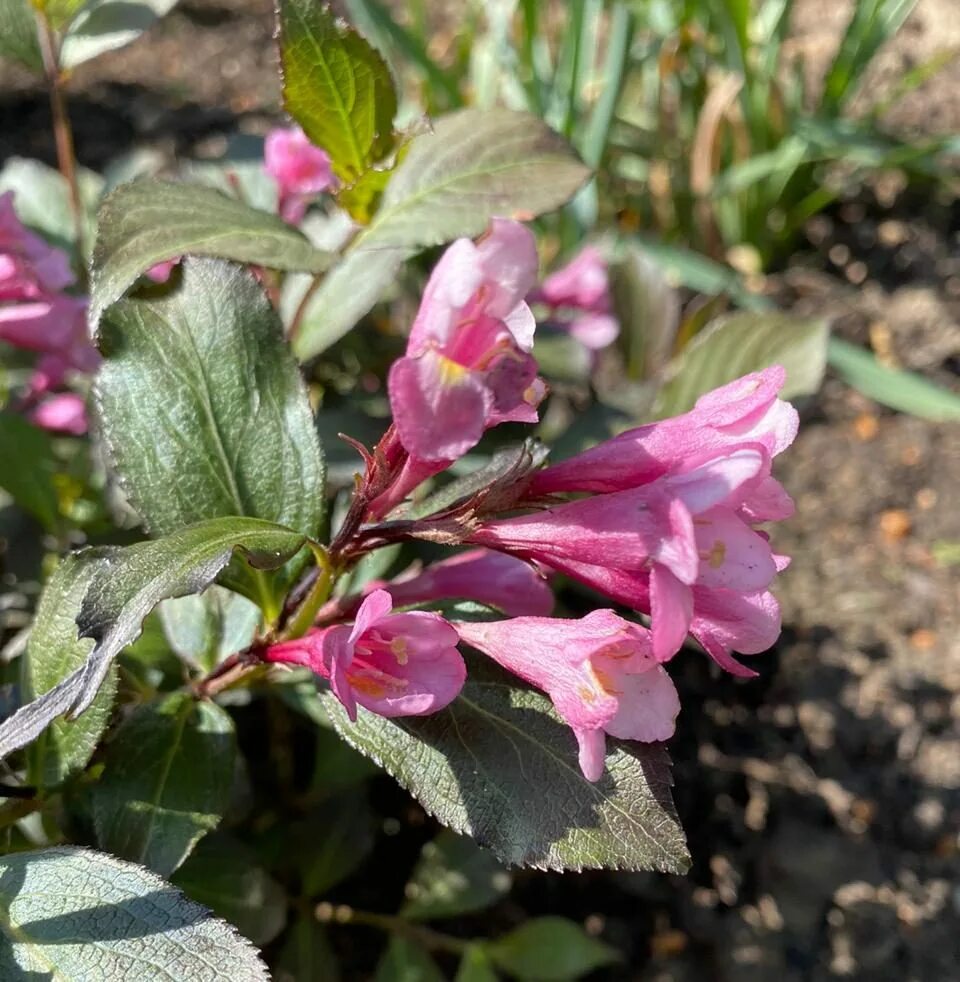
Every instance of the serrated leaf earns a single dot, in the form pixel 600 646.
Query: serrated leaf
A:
pixel 128 584
pixel 104 25
pixel 167 777
pixel 53 653
pixel 70 913
pixel 745 342
pixel 148 221
pixel 203 409
pixel 499 765
pixel 205 628
pixel 29 468
pixel 18 34
pixel 453 876
pixel 222 874
pixel 473 166
pixel 336 86
pixel 406 961
pixel 550 949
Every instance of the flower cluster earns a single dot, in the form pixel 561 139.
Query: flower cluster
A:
pixel 661 519
pixel 38 315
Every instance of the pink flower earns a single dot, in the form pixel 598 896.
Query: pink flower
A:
pixel 392 664
pixel 29 267
pixel 722 620
pixel 65 413
pixel 300 169
pixel 598 671
pixel 579 294
pixel 681 531
pixel 467 365
pixel 492 578
pixel 746 411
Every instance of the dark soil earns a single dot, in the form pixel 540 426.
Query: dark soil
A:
pixel 822 799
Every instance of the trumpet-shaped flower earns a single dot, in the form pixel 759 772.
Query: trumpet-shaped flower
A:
pixel 598 671
pixel 492 578
pixel 403 664
pixel 745 412
pixel 679 532
pixel 467 366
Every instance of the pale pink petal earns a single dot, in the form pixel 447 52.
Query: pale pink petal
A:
pixel 454 280
pixel 419 687
pixel 439 407
pixel 671 611
pixel 593 751
pixel 66 413
pixel 735 556
pixel 718 480
pixel 375 607
pixel 649 706
pixel 508 257
pixel 594 331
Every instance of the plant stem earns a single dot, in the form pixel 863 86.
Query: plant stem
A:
pixel 306 613
pixel 11 813
pixel 301 310
pixel 426 936
pixel 62 131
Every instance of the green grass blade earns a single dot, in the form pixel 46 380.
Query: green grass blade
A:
pixel 897 389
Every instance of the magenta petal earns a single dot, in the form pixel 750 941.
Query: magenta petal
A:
pixel 671 611
pixel 593 751
pixel 374 608
pixel 440 408
pixel 426 686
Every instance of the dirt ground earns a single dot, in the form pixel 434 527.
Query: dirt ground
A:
pixel 822 799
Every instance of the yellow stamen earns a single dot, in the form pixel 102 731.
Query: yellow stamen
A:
pixel 400 650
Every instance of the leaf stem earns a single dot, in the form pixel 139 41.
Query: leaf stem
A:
pixel 301 310
pixel 319 593
pixel 434 940
pixel 62 131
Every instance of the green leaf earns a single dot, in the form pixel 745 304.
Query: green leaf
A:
pixel 338 839
pixel 648 310
pixel 550 949
pixel 475 966
pixel 203 629
pixel 148 221
pixel 745 342
pixel 42 198
pixel 406 961
pixel 18 34
pixel 127 584
pixel 69 913
pixel 167 779
pixel 473 166
pixel 59 12
pixel 29 469
pixel 54 652
pixel 104 25
pixel 336 86
pixel 222 874
pixel 306 955
pixel 904 391
pixel 453 876
pixel 203 409
pixel 498 764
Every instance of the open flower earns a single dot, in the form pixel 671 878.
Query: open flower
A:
pixel 678 532
pixel 300 169
pixel 467 366
pixel 598 671
pixel 744 412
pixel 393 664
